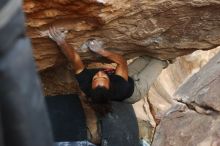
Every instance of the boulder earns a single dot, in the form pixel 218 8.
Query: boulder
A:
pixel 198 123
pixel 162 29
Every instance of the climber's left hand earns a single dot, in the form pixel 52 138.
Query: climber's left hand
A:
pixel 57 35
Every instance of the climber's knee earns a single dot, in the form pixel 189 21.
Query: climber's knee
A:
pixel 138 64
pixel 140 91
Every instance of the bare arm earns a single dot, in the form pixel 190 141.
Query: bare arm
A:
pixel 68 51
pixel 122 67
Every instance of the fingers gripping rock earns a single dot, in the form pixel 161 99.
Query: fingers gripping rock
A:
pixel 57 35
pixel 95 45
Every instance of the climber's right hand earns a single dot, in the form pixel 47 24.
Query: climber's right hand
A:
pixel 95 46
pixel 56 35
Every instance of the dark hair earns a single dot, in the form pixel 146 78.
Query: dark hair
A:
pixel 100 100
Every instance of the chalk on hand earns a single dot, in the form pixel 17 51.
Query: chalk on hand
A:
pixel 95 45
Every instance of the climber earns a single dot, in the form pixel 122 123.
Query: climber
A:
pixel 127 83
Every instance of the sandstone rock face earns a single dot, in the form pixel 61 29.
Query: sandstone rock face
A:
pixel 161 93
pixel 163 29
pixel 160 100
pixel 198 123
pixel 202 89
pixel 188 129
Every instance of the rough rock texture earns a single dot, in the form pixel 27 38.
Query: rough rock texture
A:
pixel 159 101
pixel 188 129
pixel 161 28
pixel 197 124
pixel 202 89
pixel 58 81
pixel 161 94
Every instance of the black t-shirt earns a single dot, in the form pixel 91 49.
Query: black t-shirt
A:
pixel 119 85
